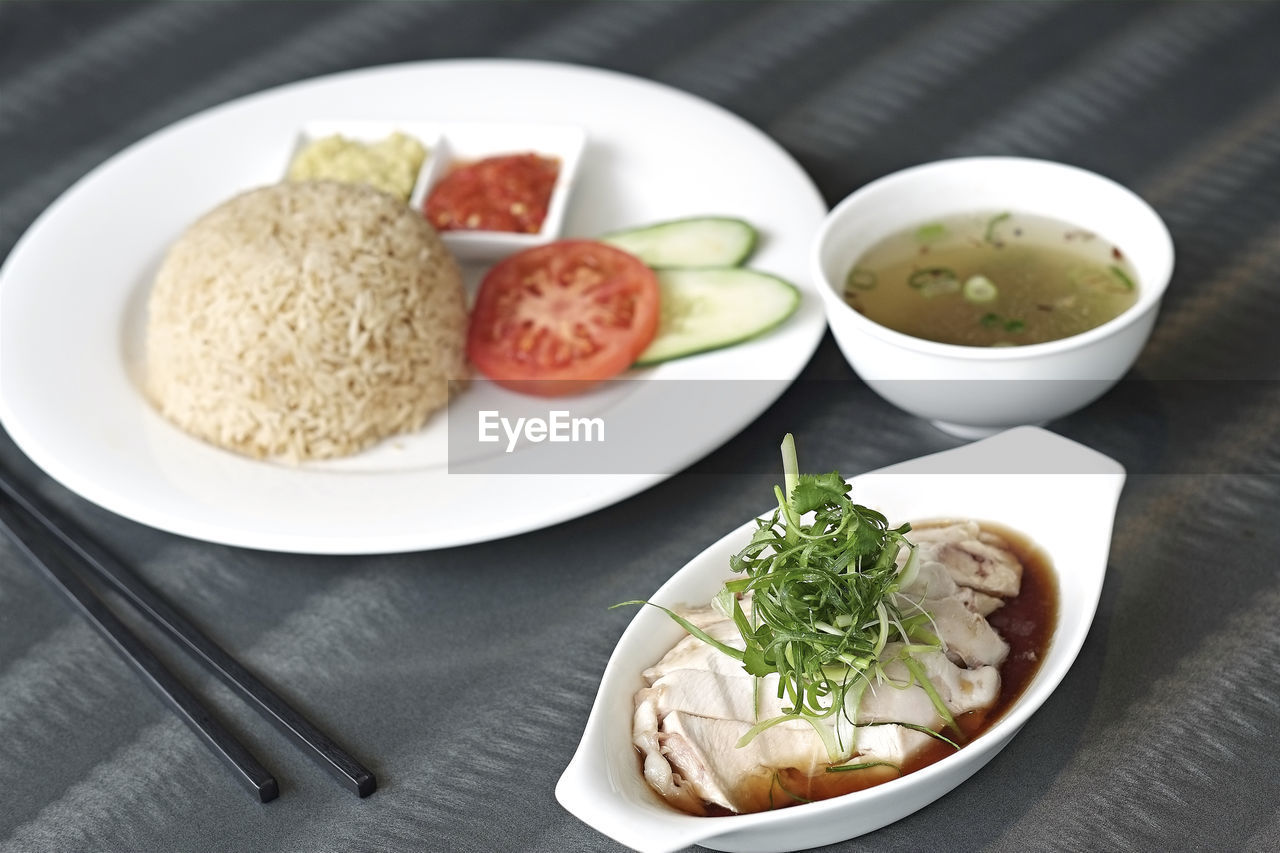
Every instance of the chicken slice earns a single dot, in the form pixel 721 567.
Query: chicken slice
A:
pixel 659 771
pixel 944 531
pixel 979 602
pixel 692 653
pixel 962 689
pixel 717 695
pixel 889 744
pixel 966 636
pixel 931 581
pixel 702 757
pixel 975 558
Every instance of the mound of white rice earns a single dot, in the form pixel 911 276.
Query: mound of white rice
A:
pixel 304 321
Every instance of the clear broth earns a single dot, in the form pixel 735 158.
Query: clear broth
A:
pixel 992 279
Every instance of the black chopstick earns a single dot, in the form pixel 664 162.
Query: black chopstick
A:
pixel 24 534
pixel 102 565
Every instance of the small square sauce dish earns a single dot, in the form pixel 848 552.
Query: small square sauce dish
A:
pixel 543 158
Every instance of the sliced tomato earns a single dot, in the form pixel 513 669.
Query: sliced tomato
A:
pixel 552 319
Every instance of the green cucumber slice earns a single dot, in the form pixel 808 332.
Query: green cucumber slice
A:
pixel 706 309
pixel 707 241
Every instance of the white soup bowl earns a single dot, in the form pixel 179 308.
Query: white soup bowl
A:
pixel 973 391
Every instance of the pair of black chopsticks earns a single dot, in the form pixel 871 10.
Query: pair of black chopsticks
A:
pixel 58 550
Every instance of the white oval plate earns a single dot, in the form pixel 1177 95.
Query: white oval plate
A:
pixel 1060 494
pixel 73 295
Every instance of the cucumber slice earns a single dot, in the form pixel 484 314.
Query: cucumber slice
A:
pixel 706 309
pixel 708 241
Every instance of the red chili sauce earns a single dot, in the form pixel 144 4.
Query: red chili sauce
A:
pixel 510 192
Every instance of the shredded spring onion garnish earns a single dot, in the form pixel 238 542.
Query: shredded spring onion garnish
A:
pixel 820 573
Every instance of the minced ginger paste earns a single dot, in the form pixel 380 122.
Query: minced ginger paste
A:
pixel 390 164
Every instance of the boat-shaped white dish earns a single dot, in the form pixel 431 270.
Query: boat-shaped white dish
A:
pixel 1058 493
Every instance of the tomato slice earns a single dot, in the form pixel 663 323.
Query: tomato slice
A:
pixel 551 319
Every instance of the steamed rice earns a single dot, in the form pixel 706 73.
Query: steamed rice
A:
pixel 304 321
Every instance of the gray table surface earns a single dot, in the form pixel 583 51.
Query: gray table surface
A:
pixel 464 676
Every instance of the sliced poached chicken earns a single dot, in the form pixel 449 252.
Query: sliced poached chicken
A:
pixel 698 703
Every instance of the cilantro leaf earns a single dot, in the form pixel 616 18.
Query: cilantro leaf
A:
pixel 816 490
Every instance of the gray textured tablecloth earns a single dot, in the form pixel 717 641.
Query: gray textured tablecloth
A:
pixel 464 676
